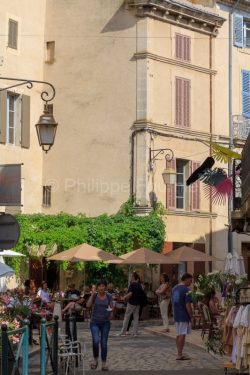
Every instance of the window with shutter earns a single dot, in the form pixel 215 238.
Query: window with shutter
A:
pixel 13 34
pixel 170 188
pixel 180 184
pixel 47 195
pixel 182 47
pixel 182 102
pixel 246 93
pixel 25 122
pixel 3 116
pixel 195 189
pixel 238 30
pixel 11 118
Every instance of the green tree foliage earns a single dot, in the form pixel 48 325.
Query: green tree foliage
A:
pixel 117 234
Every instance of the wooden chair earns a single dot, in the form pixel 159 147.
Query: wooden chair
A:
pixel 208 325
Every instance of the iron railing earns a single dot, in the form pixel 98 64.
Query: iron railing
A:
pixel 49 346
pixel 241 126
pixel 12 356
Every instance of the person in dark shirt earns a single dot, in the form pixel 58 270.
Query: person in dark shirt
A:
pixel 182 309
pixel 133 297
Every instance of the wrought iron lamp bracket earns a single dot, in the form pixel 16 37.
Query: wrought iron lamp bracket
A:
pixel 45 96
pixel 169 155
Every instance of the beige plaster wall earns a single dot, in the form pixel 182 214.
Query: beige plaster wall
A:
pixel 95 76
pixel 26 62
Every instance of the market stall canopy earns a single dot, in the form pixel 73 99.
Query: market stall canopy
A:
pixel 144 256
pixel 188 254
pixel 86 253
pixel 6 270
pixel 10 253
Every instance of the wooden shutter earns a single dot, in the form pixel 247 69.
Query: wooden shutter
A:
pixel 238 30
pixel 3 116
pixel 195 188
pixel 12 35
pixel 178 46
pixel 182 102
pixel 25 122
pixel 186 48
pixel 171 188
pixel 182 47
pixel 246 93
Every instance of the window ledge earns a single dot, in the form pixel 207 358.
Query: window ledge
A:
pixel 201 214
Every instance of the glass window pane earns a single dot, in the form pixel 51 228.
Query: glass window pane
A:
pixel 179 178
pixel 179 203
pixel 11 135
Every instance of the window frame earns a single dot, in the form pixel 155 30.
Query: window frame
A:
pixel 183 103
pixel 184 47
pixel 47 189
pixel 10 40
pixel 11 95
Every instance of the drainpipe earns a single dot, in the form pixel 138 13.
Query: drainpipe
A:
pixel 210 149
pixel 231 130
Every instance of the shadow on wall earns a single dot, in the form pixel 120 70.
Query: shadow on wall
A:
pixel 121 20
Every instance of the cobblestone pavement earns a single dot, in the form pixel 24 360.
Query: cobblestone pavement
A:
pixel 146 353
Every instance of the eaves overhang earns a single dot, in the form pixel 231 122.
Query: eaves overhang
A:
pixel 180 13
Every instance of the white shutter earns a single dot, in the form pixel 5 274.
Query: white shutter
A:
pixel 238 30
pixel 246 93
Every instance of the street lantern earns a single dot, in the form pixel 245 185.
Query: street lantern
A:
pixel 46 129
pixel 46 126
pixel 169 176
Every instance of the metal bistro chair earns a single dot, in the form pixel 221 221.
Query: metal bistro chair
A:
pixel 70 353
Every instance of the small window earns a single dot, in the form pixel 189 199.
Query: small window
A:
pixel 12 34
pixel 180 184
pixel 50 52
pixel 182 102
pixel 247 34
pixel 47 195
pixel 11 118
pixel 182 47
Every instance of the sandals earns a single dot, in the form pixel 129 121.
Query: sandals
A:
pixel 93 365
pixel 183 358
pixel 105 368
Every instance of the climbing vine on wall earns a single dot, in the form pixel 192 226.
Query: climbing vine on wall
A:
pixel 118 234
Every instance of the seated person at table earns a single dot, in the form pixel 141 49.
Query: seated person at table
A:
pixel 43 294
pixel 72 292
pixel 79 303
pixel 111 289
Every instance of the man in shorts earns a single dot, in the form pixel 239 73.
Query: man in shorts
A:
pixel 183 314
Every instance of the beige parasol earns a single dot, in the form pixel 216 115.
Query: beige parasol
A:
pixel 144 256
pixel 188 254
pixel 84 252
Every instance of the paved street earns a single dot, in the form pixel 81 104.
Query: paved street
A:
pixel 147 352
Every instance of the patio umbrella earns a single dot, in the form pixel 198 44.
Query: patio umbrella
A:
pixel 84 252
pixel 5 270
pixel 234 264
pixel 188 254
pixel 144 256
pixel 10 253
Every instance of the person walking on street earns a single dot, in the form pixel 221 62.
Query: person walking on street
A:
pixel 133 297
pixel 102 307
pixel 164 294
pixel 183 314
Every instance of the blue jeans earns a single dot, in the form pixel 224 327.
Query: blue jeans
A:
pixel 96 330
